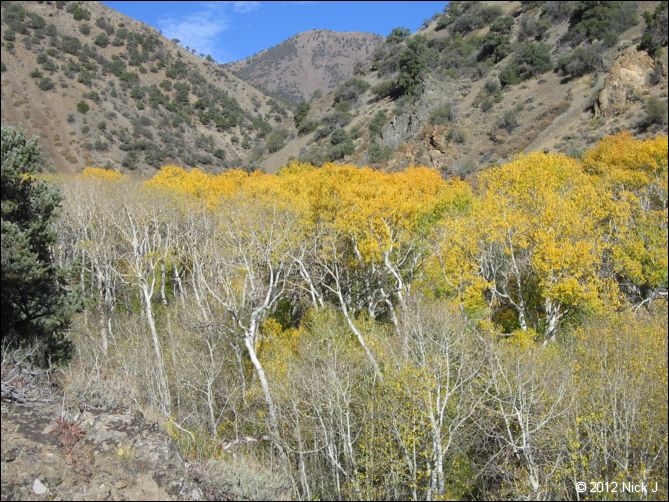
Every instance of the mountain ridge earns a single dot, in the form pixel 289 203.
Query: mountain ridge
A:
pixel 306 62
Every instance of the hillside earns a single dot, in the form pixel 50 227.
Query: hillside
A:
pixel 313 60
pixel 99 88
pixel 484 80
pixel 478 83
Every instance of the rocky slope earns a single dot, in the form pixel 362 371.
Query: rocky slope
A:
pixel 484 80
pixel 313 60
pixel 95 456
pixel 58 445
pixel 99 88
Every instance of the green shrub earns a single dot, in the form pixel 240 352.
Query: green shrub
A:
pixel 532 28
pixel 181 93
pixel 350 91
pixel 497 43
pixel 387 88
pixel 508 121
pixel 102 40
pixel 84 29
pixel 509 76
pixel 456 135
pixel 85 77
pixel 70 45
pixel 603 21
pixel 105 25
pixel 580 61
pixel 100 146
pixel 398 35
pixel 137 92
pixel 656 75
pixel 335 120
pixel 338 136
pixel 377 153
pixel 557 11
pixel 37 22
pixel 655 35
pixel 46 63
pixel 492 86
pixel 656 111
pixel 46 84
pixel 276 140
pixel 78 12
pixel 531 59
pixel 315 155
pixel 487 104
pixel 376 124
pixel 301 112
pixel 93 96
pixel 341 150
pixel 82 107
pixel 412 64
pixel 474 15
pixel 442 114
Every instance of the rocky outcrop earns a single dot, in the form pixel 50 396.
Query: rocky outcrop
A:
pixel 98 456
pixel 627 79
pixel 411 120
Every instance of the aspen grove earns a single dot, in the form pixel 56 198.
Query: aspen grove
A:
pixel 386 335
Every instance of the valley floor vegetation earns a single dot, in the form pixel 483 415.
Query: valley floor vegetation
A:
pixel 372 335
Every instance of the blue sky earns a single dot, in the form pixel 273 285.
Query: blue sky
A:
pixel 234 30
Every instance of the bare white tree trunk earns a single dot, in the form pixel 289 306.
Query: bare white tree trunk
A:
pixel 260 372
pixel 158 353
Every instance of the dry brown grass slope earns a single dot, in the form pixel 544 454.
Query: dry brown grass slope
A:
pixel 99 88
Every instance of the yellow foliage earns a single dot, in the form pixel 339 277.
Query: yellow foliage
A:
pixel 278 346
pixel 197 183
pixel 548 230
pixel 618 157
pixel 377 210
pixel 522 339
pixel 101 174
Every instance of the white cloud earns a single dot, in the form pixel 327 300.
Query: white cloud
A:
pixel 200 29
pixel 245 7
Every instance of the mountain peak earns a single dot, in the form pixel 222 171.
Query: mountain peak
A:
pixel 308 61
